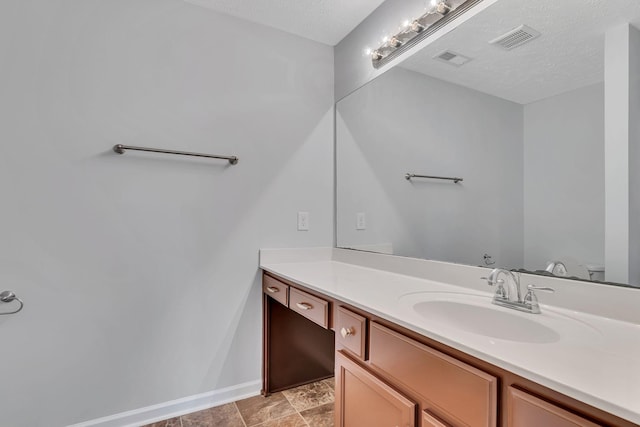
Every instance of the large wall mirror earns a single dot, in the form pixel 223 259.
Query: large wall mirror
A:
pixel 523 128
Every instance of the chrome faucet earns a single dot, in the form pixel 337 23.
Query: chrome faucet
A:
pixel 512 283
pixel 508 291
pixel 557 268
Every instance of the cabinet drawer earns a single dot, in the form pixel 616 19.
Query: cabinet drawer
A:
pixel 364 400
pixel 351 332
pixel 525 410
pixel 275 289
pixel 314 309
pixel 458 393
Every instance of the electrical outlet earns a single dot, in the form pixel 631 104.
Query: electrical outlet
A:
pixel 361 221
pixel 303 221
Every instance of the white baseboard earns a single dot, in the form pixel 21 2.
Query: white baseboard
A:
pixel 175 408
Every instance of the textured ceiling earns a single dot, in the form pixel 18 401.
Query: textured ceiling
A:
pixel 568 55
pixel 325 21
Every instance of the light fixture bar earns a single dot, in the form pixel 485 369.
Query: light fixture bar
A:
pixel 442 13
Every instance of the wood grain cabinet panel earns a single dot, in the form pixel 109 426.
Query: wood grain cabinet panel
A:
pixel 351 332
pixel 364 400
pixel 466 395
pixel 526 410
pixel 275 289
pixel 429 420
pixel 313 308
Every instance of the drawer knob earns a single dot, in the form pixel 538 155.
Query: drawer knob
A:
pixel 345 332
pixel 272 289
pixel 304 306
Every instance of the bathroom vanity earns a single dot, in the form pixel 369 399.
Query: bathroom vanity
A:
pixel 400 361
pixel 497 160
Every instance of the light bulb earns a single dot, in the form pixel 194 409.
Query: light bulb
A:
pixel 439 6
pixel 376 55
pixel 394 42
pixel 416 27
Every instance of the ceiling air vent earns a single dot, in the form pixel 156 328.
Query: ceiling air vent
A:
pixel 515 38
pixel 452 58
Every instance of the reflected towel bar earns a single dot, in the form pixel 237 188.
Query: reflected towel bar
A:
pixel 454 179
pixel 120 149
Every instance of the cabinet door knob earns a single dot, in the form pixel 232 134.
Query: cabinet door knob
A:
pixel 345 332
pixel 272 289
pixel 304 306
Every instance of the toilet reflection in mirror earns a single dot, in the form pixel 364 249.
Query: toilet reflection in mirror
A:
pixel 569 267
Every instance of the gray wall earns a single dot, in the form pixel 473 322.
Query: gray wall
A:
pixel 139 272
pixel 634 155
pixel 564 178
pixel 617 173
pixel 407 122
pixel 622 141
pixel 534 174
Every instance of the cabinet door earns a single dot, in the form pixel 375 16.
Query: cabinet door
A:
pixel 351 332
pixel 526 410
pixel 461 394
pixel 364 400
pixel 429 420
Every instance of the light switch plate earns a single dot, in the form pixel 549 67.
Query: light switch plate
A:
pixel 303 221
pixel 361 221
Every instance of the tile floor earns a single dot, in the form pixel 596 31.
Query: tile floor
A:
pixel 309 405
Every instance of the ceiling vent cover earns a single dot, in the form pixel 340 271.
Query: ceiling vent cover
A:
pixel 516 37
pixel 452 58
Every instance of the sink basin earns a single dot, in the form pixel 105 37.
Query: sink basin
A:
pixel 475 314
pixel 486 321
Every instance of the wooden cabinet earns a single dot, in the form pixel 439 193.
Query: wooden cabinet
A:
pixel 276 290
pixel 428 420
pixel 313 308
pixel 388 376
pixel 364 400
pixel 460 394
pixel 298 347
pixel 351 332
pixel 526 410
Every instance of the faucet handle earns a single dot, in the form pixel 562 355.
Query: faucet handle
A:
pixel 532 288
pixel 500 292
pixel 531 300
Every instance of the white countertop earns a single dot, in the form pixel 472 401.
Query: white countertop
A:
pixel 596 360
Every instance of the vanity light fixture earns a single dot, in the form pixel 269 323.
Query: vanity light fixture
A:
pixel 438 14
